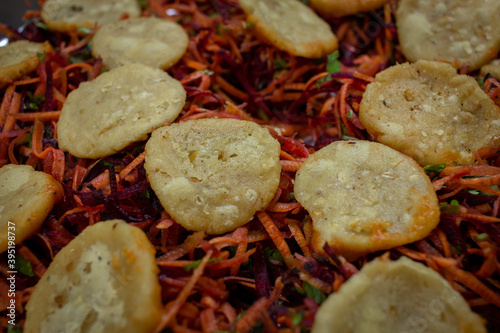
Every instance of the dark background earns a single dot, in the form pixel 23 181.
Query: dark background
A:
pixel 11 11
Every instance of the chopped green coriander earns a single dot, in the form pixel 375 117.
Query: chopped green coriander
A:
pixel 297 318
pixel 35 101
pixel 80 56
pixel 145 194
pixel 107 164
pixel 273 254
pixel 481 237
pixel 23 266
pixel 192 266
pixel 263 115
pixel 477 192
pixel 434 168
pixel 14 329
pixel 84 30
pixel 41 25
pixel 452 208
pixel 349 114
pixel 333 64
pixel 314 293
pixel 29 137
pixel 279 63
pixel 480 81
pixel 41 56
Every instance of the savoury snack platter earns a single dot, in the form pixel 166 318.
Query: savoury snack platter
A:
pixel 250 166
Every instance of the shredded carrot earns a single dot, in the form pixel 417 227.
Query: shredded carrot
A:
pixel 299 237
pixel 291 166
pixel 277 238
pixel 172 308
pixel 230 89
pixel 469 280
pixel 43 116
pixel 228 72
pixel 37 266
pixel 138 160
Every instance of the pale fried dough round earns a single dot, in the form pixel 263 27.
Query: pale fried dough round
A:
pixel 492 68
pixel 69 15
pixel 26 198
pixel 20 58
pixel 449 30
pixel 147 40
pixel 364 197
pixel 213 174
pixel 337 8
pixel 429 112
pixel 291 26
pixel 104 280
pixel 118 108
pixel 396 296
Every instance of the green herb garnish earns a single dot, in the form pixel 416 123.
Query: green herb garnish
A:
pixel 314 293
pixel 24 266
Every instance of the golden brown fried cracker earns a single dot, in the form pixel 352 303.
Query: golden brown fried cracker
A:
pixel 118 108
pixel 104 280
pixel 20 58
pixel 429 112
pixel 213 174
pixel 147 40
pixel 291 26
pixel 337 8
pixel 26 198
pixel 396 296
pixel 449 30
pixel 364 197
pixel 69 15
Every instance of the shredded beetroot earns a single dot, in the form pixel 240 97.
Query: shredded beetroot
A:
pixel 262 283
pixel 265 275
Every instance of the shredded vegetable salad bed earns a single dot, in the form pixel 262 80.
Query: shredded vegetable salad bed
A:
pixel 263 276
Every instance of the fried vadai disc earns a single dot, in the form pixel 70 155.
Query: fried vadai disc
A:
pixel 213 174
pixel 26 198
pixel 396 296
pixel 493 68
pixel 20 58
pixel 337 8
pixel 118 108
pixel 429 112
pixel 364 197
pixel 291 26
pixel 69 15
pixel 147 40
pixel 104 280
pixel 449 30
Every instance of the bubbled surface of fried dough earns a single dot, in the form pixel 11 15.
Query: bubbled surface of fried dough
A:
pixel 449 30
pixel 118 108
pixel 213 174
pixel 364 197
pixel 103 281
pixel 429 112
pixel 493 68
pixel 396 296
pixel 291 26
pixel 20 58
pixel 26 198
pixel 69 15
pixel 147 40
pixel 337 8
